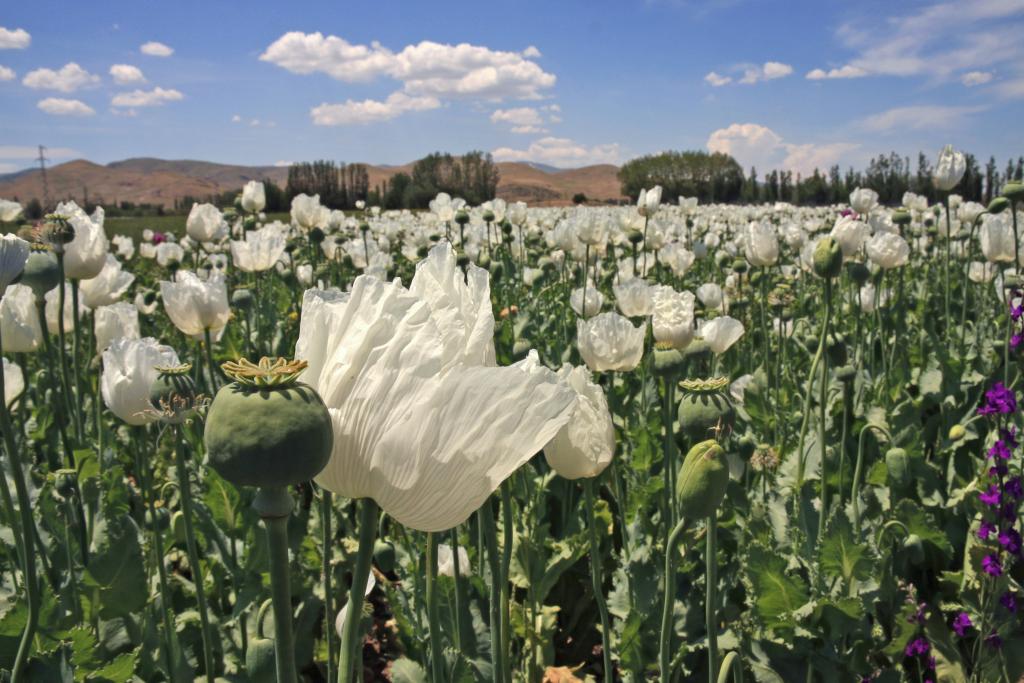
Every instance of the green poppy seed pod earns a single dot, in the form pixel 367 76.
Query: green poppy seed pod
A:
pixel 149 297
pixel 957 433
pixel 462 261
pixel 488 216
pixel 178 526
pixel 260 660
pixel 266 429
pixel 497 271
pixel 998 205
pixel 173 394
pixel 316 235
pixel 915 549
pixel 422 252
pixel 364 228
pixel 705 409
pixel 835 347
pixel 65 481
pixel 668 362
pixel 159 519
pixel 697 351
pixel 898 465
pixel 702 480
pixel 1014 191
pixel 828 258
pixel 746 446
pixel 930 228
pixel 461 217
pixel 484 261
pixel 901 217
pixel 858 272
pixel 41 272
pixel 249 223
pixel 384 555
pixel 241 299
pixel 634 236
pixel 846 374
pixel 506 227
pixel 740 265
pixel 721 259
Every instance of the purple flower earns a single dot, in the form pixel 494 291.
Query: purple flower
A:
pixel 1000 449
pixel 1014 487
pixel 986 529
pixel 1010 540
pixel 999 470
pixel 918 646
pixel 990 497
pixel 1009 601
pixel 961 623
pixel 1008 511
pixel 990 563
pixel 998 400
pixel 994 641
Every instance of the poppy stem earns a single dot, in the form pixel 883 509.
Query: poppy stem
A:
pixel 595 577
pixel 436 658
pixel 351 653
pixel 490 534
pixel 274 506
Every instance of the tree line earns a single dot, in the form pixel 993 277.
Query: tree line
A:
pixel 717 177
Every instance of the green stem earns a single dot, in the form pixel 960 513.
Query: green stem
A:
pixel 711 599
pixel 274 506
pixel 490 533
pixel 325 529
pixel 506 564
pixel 209 360
pixel 668 602
pixel 26 537
pixel 351 653
pixel 822 411
pixel 595 577
pixel 436 661
pixel 185 491
pixel 949 238
pixel 457 577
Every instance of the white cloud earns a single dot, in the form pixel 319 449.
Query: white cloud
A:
pixel 146 98
pixel 717 80
pixel 30 152
pixel 426 69
pixel 61 107
pixel 937 40
pixel 973 78
pixel 561 152
pixel 126 74
pixel 370 111
pixel 236 119
pixel 528 130
pixel 155 49
pixel 920 117
pixel 69 78
pixel 519 116
pixel 848 71
pixel 283 163
pixel 18 39
pixel 7 74
pixel 766 72
pixel 752 144
pixel 532 52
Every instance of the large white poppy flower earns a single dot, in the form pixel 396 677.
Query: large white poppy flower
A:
pixel 423 422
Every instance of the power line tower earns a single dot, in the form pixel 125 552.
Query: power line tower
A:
pixel 46 184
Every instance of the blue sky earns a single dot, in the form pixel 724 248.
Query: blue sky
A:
pixel 566 82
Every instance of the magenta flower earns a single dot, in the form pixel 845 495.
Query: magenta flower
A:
pixel 986 529
pixel 990 564
pixel 990 497
pixel 961 623
pixel 1009 601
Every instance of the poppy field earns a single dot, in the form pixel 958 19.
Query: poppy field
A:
pixel 664 441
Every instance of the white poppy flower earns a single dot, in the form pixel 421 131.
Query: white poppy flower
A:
pixel 19 320
pixel 114 321
pixel 610 342
pixel 129 370
pixel 195 305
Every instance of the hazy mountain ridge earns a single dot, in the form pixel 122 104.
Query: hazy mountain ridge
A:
pixel 163 181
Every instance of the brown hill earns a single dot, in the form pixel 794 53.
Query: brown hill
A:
pixel 162 182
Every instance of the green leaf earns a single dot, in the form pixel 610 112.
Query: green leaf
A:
pixel 119 670
pixel 778 594
pixel 116 566
pixel 842 555
pixel 405 670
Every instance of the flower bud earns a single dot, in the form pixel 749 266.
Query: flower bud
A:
pixel 998 205
pixel 384 555
pixel 898 465
pixel 858 272
pixel 241 299
pixel 828 258
pixel 957 432
pixel 702 481
pixel 1014 191
pixel 915 549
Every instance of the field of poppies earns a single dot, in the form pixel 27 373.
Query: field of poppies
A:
pixel 664 441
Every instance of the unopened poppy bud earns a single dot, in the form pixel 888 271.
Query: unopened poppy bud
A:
pixel 41 272
pixel 998 205
pixel 702 480
pixel 1014 191
pixel 898 465
pixel 384 555
pixel 957 432
pixel 828 258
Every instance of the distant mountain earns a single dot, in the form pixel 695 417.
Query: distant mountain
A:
pixel 162 181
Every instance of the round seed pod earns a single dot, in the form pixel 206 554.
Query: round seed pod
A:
pixel 41 272
pixel 740 265
pixel 488 216
pixel 858 272
pixel 241 299
pixel 702 480
pixel 828 258
pixel 461 217
pixel 462 261
pixel 998 205
pixel 316 235
pixel 159 520
pixel 705 408
pixel 668 361
pixel 901 217
pixel 898 465
pixel 635 236
pixel 384 555
pixel 746 446
pixel 266 429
